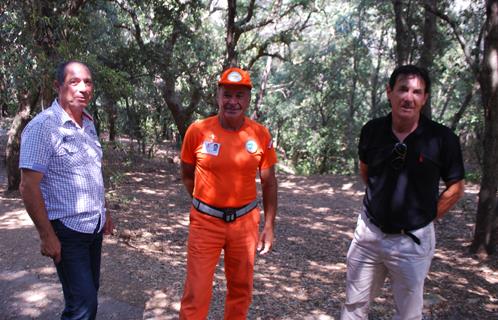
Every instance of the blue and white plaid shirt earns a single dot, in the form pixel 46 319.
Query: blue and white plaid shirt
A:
pixel 70 159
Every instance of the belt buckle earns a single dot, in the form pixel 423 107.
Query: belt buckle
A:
pixel 229 214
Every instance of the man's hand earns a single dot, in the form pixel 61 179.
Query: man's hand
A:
pixel 265 242
pixel 51 247
pixel 108 226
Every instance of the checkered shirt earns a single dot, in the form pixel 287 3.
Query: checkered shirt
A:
pixel 69 156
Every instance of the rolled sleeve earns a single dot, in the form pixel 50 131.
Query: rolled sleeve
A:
pixel 36 147
pixel 269 157
pixel 453 167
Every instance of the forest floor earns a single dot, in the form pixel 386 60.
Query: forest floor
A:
pixel 143 266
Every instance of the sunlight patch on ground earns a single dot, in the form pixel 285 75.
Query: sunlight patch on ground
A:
pixel 338 215
pixel 110 240
pixel 46 270
pixel 480 291
pixel 467 264
pixel 296 274
pixel 347 186
pixel 490 275
pixel 10 276
pixel 148 191
pixel 491 307
pixel 37 298
pixel 321 209
pixel 286 184
pixel 472 188
pixel 15 219
pixel 324 188
pixel 318 315
pixel 319 226
pixel 299 240
pixel 327 267
pixel 354 193
pixel 162 303
pixel 268 285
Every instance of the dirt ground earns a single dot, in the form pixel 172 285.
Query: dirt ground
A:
pixel 303 278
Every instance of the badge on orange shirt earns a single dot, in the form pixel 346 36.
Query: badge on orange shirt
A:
pixel 211 148
pixel 251 146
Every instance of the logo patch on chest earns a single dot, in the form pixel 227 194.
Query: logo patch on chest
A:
pixel 212 148
pixel 251 146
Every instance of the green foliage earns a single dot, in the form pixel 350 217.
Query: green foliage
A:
pixel 155 65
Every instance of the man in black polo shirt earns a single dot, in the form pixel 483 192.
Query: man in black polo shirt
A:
pixel 402 158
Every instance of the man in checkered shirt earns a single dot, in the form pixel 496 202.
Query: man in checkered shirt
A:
pixel 63 189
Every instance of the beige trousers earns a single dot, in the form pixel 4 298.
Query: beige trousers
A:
pixel 373 255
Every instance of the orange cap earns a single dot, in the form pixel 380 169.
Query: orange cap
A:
pixel 235 76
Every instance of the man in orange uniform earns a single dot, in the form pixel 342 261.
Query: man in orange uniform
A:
pixel 220 159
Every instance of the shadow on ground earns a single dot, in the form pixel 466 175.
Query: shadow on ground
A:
pixel 303 278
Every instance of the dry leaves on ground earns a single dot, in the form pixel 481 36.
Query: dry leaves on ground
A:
pixel 304 277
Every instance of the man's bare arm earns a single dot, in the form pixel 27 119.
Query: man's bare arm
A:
pixel 188 177
pixel 269 187
pixel 364 172
pixel 35 206
pixel 453 192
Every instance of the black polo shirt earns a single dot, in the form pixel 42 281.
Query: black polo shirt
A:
pixel 405 196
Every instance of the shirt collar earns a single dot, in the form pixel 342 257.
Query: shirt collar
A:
pixel 422 123
pixel 64 117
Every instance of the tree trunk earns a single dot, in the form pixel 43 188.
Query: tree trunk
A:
pixel 402 35
pixel 262 89
pixel 232 36
pixel 181 115
pixel 3 93
pixel 112 115
pixel 376 86
pixel 20 121
pixel 427 56
pixel 486 223
pixel 463 107
pixel 350 140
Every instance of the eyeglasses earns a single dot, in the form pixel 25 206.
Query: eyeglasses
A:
pixel 398 155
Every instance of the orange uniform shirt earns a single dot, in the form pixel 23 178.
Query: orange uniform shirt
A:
pixel 226 162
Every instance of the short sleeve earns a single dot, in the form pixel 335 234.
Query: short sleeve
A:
pixel 453 168
pixel 189 145
pixel 269 157
pixel 36 147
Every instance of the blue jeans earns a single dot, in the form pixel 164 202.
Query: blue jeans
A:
pixel 79 271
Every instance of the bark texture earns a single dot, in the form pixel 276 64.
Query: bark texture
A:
pixel 486 230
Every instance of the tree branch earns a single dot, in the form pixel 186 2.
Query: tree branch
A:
pixel 274 16
pixel 137 32
pixel 461 40
pixel 463 107
pixel 74 7
pixel 260 55
pixel 250 12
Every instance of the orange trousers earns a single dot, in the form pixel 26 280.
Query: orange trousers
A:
pixel 207 237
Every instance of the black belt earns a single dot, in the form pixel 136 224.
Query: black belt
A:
pixel 226 214
pixel 390 230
